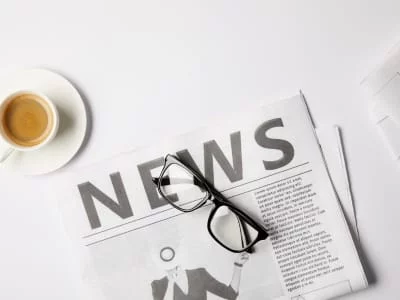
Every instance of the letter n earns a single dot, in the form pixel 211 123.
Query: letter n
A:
pixel 121 207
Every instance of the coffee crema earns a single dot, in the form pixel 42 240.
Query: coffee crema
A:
pixel 27 120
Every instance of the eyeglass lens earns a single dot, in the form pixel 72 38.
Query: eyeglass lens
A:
pixel 176 180
pixel 231 230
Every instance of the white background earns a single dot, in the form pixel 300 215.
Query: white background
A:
pixel 159 68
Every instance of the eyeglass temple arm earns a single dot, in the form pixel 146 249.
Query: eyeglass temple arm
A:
pixel 244 236
pixel 167 181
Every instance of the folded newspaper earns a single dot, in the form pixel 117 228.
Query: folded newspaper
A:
pixel 267 162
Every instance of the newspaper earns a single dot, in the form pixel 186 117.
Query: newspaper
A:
pixel 267 162
pixel 329 137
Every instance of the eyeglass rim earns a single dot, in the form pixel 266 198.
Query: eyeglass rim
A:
pixel 171 160
pixel 261 233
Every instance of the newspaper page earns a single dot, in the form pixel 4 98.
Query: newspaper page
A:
pixel 267 162
pixel 329 138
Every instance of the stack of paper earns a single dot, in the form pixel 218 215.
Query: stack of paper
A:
pixel 265 161
pixel 333 151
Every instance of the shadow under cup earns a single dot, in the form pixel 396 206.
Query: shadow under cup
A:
pixel 28 120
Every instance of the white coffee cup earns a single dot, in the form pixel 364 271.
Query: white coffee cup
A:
pixel 50 132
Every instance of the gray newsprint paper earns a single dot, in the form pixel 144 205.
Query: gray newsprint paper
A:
pixel 266 161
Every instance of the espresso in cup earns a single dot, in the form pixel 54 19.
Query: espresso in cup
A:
pixel 27 119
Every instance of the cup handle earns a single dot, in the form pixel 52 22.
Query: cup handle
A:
pixel 5 153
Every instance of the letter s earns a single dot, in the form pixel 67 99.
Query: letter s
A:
pixel 282 145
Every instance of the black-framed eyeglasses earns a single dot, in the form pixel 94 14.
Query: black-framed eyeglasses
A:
pixel 231 227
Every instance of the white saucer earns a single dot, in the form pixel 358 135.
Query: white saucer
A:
pixel 73 121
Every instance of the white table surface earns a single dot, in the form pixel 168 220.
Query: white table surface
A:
pixel 136 61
